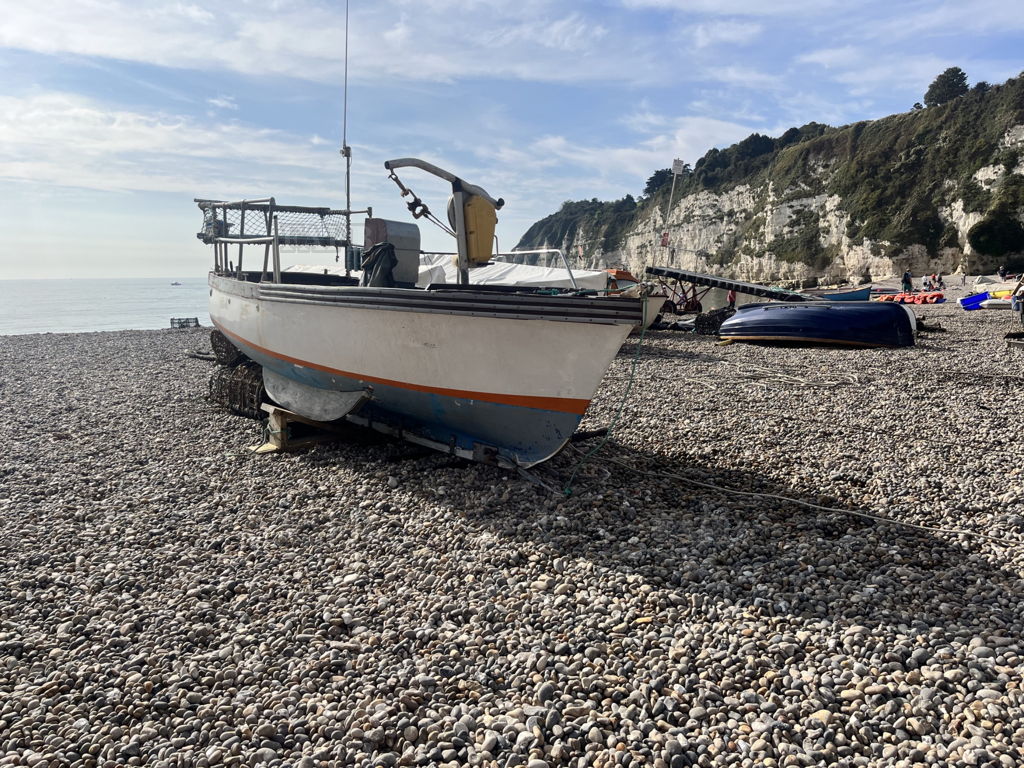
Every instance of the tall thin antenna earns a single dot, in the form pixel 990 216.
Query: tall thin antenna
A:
pixel 346 151
pixel 344 113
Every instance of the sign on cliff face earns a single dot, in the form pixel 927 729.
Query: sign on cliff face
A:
pixel 664 238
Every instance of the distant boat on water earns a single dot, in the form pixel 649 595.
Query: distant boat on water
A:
pixel 175 283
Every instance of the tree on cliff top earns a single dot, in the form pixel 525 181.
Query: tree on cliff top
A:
pixel 657 181
pixel 946 87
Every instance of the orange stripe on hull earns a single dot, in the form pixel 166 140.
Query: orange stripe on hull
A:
pixel 561 404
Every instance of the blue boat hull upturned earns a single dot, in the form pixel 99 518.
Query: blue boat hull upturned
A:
pixel 848 323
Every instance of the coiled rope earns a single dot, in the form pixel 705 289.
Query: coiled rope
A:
pixel 819 507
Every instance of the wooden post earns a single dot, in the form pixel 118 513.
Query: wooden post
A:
pixel 279 436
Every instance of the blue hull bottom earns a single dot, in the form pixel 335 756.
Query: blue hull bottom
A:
pixel 858 324
pixel 495 432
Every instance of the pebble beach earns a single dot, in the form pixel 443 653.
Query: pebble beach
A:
pixel 779 557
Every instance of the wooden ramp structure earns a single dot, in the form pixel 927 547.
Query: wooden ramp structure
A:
pixel 714 281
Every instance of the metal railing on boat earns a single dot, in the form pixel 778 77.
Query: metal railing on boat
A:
pixel 270 225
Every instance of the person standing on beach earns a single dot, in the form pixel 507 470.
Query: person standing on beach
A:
pixel 908 282
pixel 730 297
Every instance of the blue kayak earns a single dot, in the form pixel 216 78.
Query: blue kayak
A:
pixel 847 323
pixel 973 301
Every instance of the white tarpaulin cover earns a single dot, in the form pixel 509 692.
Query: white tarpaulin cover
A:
pixel 315 269
pixel 994 284
pixel 438 268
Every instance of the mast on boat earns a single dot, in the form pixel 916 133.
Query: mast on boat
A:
pixel 346 152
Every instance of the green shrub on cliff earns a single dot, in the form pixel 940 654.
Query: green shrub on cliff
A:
pixel 997 235
pixel 605 222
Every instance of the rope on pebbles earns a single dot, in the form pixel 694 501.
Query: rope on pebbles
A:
pixel 799 502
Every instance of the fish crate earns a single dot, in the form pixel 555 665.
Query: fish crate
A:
pixel 184 322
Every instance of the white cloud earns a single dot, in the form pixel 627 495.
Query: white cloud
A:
pixel 744 77
pixel 843 56
pixel 536 41
pixel 61 140
pixel 644 120
pixel 802 8
pixel 601 170
pixel 223 102
pixel 193 13
pixel 962 16
pixel 570 34
pixel 878 72
pixel 717 32
pixel 66 140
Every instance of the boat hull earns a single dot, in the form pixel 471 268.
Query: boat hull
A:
pixel 854 294
pixel 996 304
pixel 856 324
pixel 497 376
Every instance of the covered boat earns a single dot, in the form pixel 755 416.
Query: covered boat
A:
pixel 847 323
pixel 501 374
pixel 438 268
pixel 996 304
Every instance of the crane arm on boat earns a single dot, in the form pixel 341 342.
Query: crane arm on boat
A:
pixel 471 213
pixel 441 173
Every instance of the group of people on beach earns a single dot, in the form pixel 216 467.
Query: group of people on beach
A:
pixel 932 282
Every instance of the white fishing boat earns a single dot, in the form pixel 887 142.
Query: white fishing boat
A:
pixel 501 374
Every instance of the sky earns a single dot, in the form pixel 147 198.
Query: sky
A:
pixel 115 114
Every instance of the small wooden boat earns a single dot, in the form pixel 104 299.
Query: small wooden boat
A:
pixel 846 323
pixel 849 294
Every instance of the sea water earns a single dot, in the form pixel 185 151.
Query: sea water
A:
pixel 72 306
